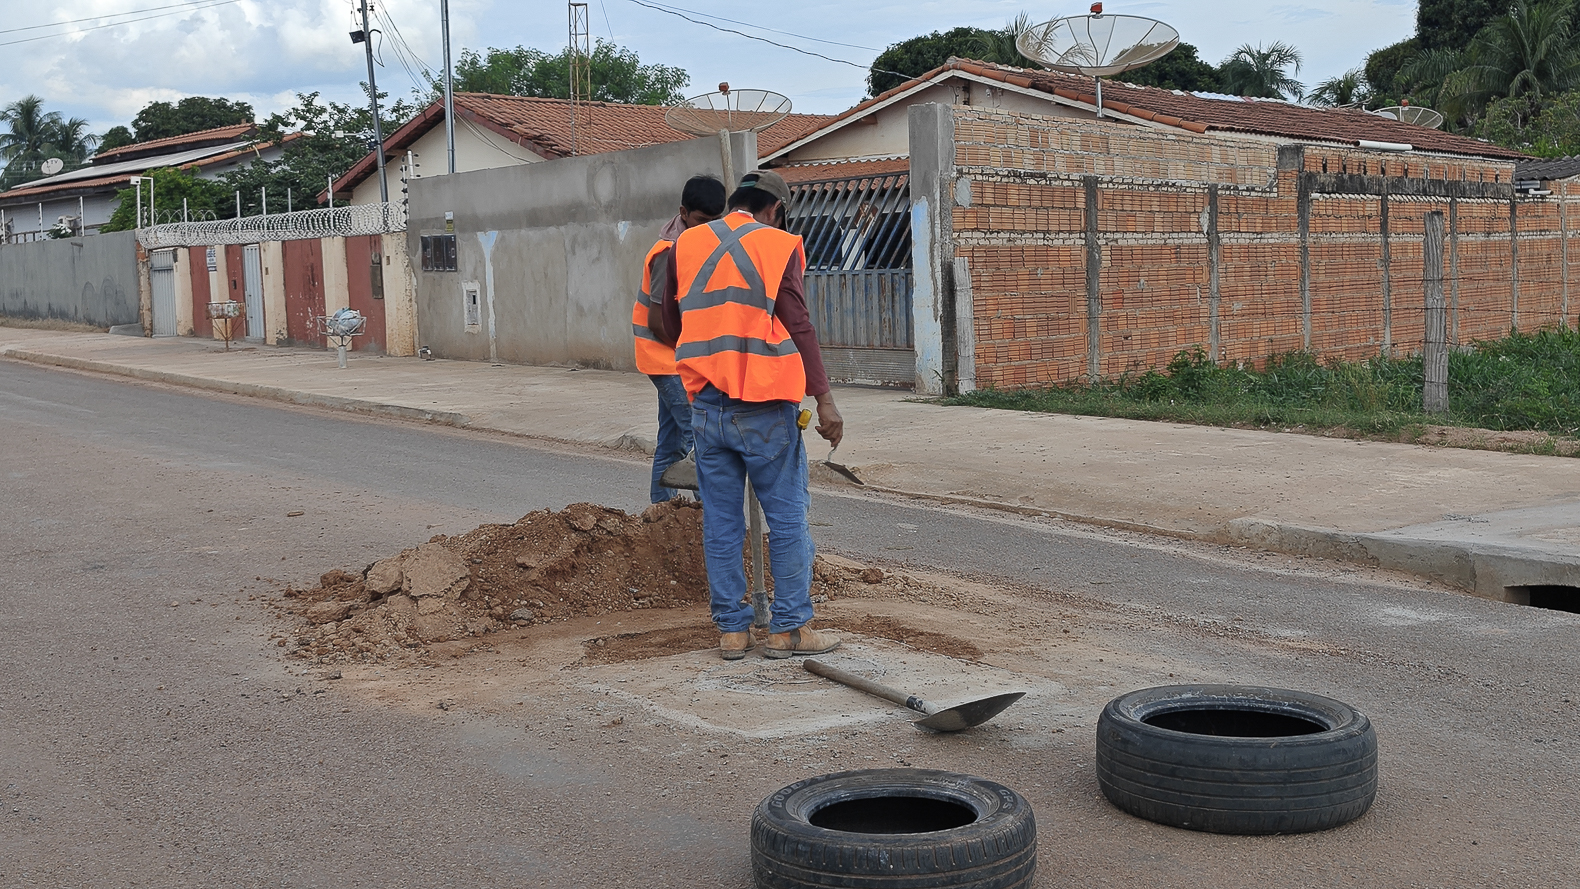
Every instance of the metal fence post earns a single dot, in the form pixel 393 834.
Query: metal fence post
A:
pixel 1434 360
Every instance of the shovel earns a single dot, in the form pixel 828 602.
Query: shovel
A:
pixel 841 468
pixel 953 719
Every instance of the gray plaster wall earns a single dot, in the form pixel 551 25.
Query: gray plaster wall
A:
pixel 91 280
pixel 555 250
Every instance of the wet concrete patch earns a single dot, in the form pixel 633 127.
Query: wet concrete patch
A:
pixel 761 698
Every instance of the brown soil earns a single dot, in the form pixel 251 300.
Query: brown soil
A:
pixel 553 567
pixel 49 324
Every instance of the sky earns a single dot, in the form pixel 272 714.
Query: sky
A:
pixel 266 51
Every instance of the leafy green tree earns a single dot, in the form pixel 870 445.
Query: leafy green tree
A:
pixel 618 75
pixel 917 56
pixel 1554 131
pixel 1349 88
pixel 1451 24
pixel 161 120
pixel 1263 71
pixel 334 136
pixel 1523 57
pixel 33 135
pixel 1181 69
pixel 205 199
pixel 999 46
pixel 116 137
pixel 1383 65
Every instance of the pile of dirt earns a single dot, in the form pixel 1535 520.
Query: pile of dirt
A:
pixel 585 560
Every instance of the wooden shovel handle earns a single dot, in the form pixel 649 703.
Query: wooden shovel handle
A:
pixel 866 685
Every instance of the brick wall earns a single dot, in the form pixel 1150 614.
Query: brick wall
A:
pixel 1233 244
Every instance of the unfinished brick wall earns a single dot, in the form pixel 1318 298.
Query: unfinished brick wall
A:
pixel 1105 249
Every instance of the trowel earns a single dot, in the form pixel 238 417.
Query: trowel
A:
pixel 951 719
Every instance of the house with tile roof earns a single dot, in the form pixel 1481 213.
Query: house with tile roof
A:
pixel 87 195
pixel 494 131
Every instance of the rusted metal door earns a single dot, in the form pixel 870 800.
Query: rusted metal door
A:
pixel 304 290
pixel 365 278
pixel 197 266
pixel 858 280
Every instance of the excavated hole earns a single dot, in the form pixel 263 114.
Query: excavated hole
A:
pixel 893 814
pixel 1235 723
pixel 1553 597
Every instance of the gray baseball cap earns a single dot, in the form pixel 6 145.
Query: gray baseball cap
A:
pixel 768 181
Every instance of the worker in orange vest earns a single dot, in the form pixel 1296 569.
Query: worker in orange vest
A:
pixel 701 202
pixel 747 353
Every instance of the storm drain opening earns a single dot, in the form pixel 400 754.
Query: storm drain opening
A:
pixel 1231 723
pixel 894 815
pixel 1553 597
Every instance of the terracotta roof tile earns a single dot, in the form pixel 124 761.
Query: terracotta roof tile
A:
pixel 797 174
pixel 123 179
pixel 217 134
pixel 1201 114
pixel 543 126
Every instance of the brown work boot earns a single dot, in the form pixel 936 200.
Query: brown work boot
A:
pixel 803 640
pixel 735 645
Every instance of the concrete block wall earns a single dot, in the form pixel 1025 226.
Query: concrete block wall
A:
pixel 1104 249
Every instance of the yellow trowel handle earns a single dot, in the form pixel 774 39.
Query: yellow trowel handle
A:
pixel 804 420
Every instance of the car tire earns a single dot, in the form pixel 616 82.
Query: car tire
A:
pixel 1237 759
pixel 896 829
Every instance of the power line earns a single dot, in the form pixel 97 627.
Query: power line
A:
pixel 805 52
pixel 107 15
pixel 721 18
pixel 191 7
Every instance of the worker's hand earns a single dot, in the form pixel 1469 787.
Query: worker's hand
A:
pixel 830 424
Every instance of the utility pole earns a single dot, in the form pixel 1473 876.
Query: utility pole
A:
pixel 365 37
pixel 449 89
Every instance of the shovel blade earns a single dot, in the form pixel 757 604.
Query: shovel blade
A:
pixel 844 471
pixel 682 475
pixel 971 713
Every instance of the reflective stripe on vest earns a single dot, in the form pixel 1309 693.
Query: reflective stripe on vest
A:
pixel 729 335
pixel 652 356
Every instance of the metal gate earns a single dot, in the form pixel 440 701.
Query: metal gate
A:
pixel 162 283
pixel 252 290
pixel 858 279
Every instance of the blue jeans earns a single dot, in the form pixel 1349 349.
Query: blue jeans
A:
pixel 674 431
pixel 737 440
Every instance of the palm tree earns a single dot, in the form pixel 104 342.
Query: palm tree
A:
pixel 1526 53
pixel 73 140
pixel 1349 88
pixel 30 130
pixel 1267 72
pixel 999 46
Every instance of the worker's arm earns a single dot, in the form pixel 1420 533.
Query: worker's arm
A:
pixel 663 320
pixel 790 308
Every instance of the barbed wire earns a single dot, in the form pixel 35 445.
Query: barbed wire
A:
pixel 344 222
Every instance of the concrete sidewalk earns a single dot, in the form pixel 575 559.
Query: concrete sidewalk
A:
pixel 1489 522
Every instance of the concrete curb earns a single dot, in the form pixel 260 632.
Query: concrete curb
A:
pixel 1485 569
pixel 251 390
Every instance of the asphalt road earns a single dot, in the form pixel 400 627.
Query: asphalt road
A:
pixel 151 734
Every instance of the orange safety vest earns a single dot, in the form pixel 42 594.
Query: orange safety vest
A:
pixel 728 274
pixel 652 356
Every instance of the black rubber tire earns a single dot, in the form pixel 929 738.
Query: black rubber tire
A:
pixel 998 850
pixel 1289 783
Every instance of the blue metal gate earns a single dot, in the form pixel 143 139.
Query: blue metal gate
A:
pixel 858 280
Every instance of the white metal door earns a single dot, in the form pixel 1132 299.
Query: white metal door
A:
pixel 252 289
pixel 162 280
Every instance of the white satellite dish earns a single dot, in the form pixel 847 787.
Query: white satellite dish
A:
pixel 52 166
pixel 1423 117
pixel 1097 45
pixel 728 111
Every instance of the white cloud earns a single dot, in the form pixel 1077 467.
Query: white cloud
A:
pixel 265 51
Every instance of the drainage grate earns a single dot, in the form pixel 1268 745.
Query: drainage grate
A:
pixel 1553 597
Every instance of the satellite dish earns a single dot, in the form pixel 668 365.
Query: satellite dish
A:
pixel 52 166
pixel 1097 45
pixel 728 111
pixel 1423 117
pixel 734 111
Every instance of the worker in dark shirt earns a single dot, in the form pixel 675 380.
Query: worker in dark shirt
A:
pixel 735 309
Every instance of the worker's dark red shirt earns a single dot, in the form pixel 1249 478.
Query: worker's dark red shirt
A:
pixel 789 307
